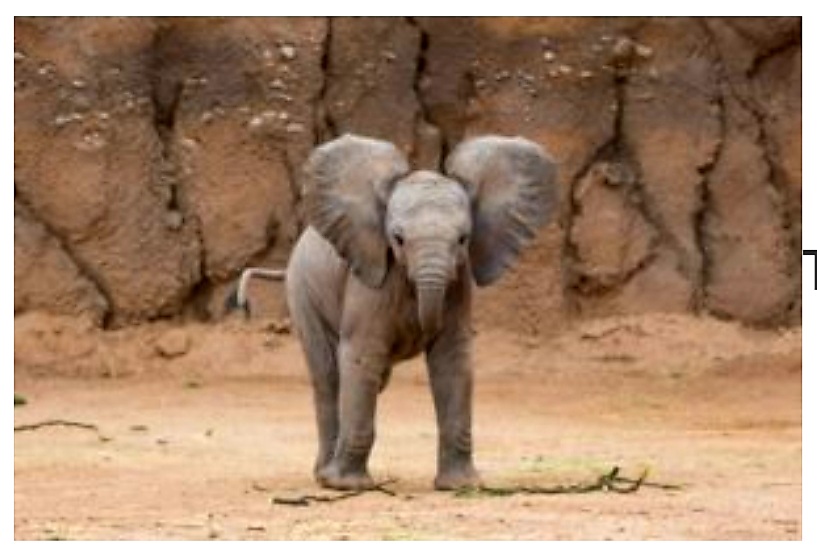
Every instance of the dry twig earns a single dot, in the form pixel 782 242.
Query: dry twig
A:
pixel 61 423
pixel 608 482
pixel 307 499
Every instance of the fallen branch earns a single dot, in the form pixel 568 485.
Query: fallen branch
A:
pixel 608 482
pixel 307 499
pixel 61 423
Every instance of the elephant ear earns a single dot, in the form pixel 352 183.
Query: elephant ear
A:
pixel 347 184
pixel 512 185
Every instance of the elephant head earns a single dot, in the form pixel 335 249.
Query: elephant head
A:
pixel 497 192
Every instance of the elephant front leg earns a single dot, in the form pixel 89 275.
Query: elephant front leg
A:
pixel 360 381
pixel 449 364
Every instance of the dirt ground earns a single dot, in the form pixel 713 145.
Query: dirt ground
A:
pixel 201 426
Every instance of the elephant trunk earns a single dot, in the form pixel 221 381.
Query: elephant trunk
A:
pixel 431 285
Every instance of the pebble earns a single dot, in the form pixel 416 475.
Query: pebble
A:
pixel 389 55
pixel 174 220
pixel 295 128
pixel 19 56
pixel 287 52
pixel 643 51
pixel 173 343
pixel 264 119
pixel 64 119
pixel 277 84
pixel 91 141
pixel 45 69
pixel 549 55
pixel 623 49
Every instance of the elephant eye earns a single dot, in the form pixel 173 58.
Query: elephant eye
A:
pixel 398 238
pixel 463 239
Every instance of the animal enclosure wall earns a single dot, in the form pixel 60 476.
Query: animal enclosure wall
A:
pixel 156 157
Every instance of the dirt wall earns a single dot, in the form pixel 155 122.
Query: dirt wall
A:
pixel 156 157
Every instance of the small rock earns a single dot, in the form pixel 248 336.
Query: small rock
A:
pixel 502 75
pixel 19 56
pixel 64 119
pixel 189 144
pixel 625 49
pixel 585 74
pixel 565 69
pixel 92 140
pixel 255 123
pixel 173 344
pixel 525 77
pixel 287 52
pixel 389 56
pixel 78 83
pixel 279 327
pixel 206 117
pixel 295 128
pixel 277 84
pixel 643 51
pixel 549 55
pixel 45 70
pixel 174 220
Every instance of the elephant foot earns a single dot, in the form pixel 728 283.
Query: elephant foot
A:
pixel 459 478
pixel 331 477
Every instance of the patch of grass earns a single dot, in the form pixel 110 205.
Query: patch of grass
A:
pixel 19 400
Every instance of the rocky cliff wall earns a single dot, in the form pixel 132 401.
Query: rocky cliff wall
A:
pixel 156 157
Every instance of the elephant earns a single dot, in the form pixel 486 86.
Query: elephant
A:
pixel 384 271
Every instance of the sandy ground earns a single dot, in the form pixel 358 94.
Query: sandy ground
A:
pixel 201 426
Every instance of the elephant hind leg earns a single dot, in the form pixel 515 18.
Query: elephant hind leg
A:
pixel 320 347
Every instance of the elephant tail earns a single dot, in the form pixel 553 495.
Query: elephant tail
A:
pixel 237 299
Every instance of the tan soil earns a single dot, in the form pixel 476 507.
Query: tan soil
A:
pixel 203 434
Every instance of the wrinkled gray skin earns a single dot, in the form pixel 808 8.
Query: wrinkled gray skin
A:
pixel 384 272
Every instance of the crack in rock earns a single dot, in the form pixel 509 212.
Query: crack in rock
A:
pixel 83 270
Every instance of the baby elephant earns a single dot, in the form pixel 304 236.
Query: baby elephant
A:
pixel 384 272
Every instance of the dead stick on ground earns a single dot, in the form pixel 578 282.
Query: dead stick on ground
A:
pixel 610 481
pixel 60 423
pixel 307 499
